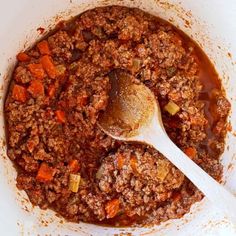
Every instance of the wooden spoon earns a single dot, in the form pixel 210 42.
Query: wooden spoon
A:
pixel 133 114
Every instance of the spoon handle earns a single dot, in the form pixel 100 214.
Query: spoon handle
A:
pixel 216 193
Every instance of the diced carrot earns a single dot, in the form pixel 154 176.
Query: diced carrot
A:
pixel 74 166
pixel 120 161
pixel 44 47
pixel 191 152
pixel 22 56
pixel 36 88
pixel 61 117
pixel 49 66
pixel 112 208
pixel 45 173
pixel 51 90
pixel 133 163
pixel 37 70
pixel 19 93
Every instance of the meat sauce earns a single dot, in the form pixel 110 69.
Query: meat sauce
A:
pixel 61 85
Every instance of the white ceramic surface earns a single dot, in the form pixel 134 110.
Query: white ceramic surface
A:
pixel 212 25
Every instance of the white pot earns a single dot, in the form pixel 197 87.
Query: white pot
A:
pixel 211 23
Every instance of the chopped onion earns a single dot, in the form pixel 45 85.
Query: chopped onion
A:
pixel 83 182
pixel 61 69
pixel 171 71
pixel 74 182
pixel 172 108
pixel 98 31
pixel 100 172
pixel 73 66
pixel 136 64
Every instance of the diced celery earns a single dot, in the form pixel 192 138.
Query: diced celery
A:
pixel 74 182
pixel 172 108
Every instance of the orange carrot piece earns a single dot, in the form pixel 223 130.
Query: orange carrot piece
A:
pixel 22 56
pixel 61 117
pixel 36 88
pixel 37 71
pixel 49 66
pixel 45 173
pixel 112 208
pixel 19 93
pixel 74 166
pixel 44 47
pixel 120 161
pixel 191 152
pixel 133 163
pixel 51 90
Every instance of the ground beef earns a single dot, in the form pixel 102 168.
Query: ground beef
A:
pixel 61 85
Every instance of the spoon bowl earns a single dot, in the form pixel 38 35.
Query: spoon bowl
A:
pixel 131 108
